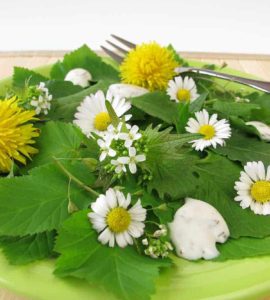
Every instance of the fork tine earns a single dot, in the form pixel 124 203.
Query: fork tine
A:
pixel 117 47
pixel 123 41
pixel 113 55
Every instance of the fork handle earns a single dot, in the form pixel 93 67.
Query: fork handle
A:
pixel 257 84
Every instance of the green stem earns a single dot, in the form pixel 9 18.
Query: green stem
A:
pixel 75 179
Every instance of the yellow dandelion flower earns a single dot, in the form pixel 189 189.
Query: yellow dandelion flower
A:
pixel 149 65
pixel 16 134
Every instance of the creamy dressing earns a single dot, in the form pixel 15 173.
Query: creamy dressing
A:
pixel 79 76
pixel 123 90
pixel 196 228
pixel 263 129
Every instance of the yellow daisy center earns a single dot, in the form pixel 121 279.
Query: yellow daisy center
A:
pixel 260 191
pixel 150 66
pixel 16 134
pixel 183 95
pixel 208 131
pixel 102 121
pixel 118 219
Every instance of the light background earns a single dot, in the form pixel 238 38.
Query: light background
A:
pixel 240 26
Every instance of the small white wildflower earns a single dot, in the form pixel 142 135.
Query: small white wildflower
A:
pixel 93 116
pixel 131 136
pixel 161 232
pixel 132 159
pixel 182 89
pixel 145 242
pixel 214 131
pixel 120 167
pixel 105 149
pixel 253 188
pixel 42 102
pixel 116 220
pixel 115 131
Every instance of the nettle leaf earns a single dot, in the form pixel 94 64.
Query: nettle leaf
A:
pixel 64 108
pixel 58 88
pixel 177 57
pixel 26 249
pixel 216 176
pixel 23 77
pixel 59 140
pixel 170 166
pixel 124 272
pixel 262 115
pixel 183 116
pixel 39 202
pixel 241 125
pixel 243 247
pixel 87 59
pixel 244 148
pixel 197 104
pixel 235 109
pixel 157 104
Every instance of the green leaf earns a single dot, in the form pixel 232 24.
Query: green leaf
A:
pixel 170 166
pixel 183 116
pixel 124 272
pixel 59 88
pixel 235 109
pixel 26 249
pixel 216 176
pixel 57 139
pixel 243 247
pixel 65 107
pixel 39 202
pixel 23 77
pixel 177 57
pixel 197 104
pixel 113 115
pixel 262 115
pixel 87 59
pixel 245 148
pixel 157 104
pixel 241 125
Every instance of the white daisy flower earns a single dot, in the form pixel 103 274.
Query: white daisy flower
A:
pixel 79 77
pixel 42 103
pixel 105 148
pixel 92 114
pixel 119 166
pixel 132 159
pixel 124 90
pixel 253 188
pixel 263 129
pixel 182 90
pixel 131 136
pixel 115 221
pixel 214 131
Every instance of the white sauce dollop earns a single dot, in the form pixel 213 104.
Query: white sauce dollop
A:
pixel 123 90
pixel 264 129
pixel 196 228
pixel 79 76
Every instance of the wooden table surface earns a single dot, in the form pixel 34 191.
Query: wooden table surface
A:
pixel 258 65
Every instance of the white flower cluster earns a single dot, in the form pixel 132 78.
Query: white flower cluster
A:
pixel 41 99
pixel 125 145
pixel 157 245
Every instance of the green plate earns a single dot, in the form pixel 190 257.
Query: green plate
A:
pixel 235 279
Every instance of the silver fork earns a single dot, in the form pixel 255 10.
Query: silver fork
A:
pixel 257 84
